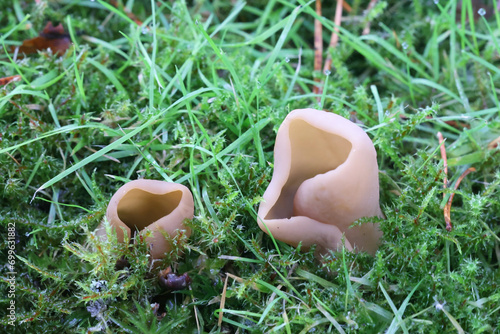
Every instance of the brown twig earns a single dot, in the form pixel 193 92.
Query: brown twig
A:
pixel 366 29
pixel 447 208
pixel 318 46
pixel 346 7
pixel 335 35
pixel 15 160
pixel 334 39
pixel 445 160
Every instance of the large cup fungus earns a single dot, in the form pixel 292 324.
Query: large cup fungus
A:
pixel 325 177
pixel 158 206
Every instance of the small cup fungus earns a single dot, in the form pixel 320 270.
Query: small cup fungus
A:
pixel 325 177
pixel 158 206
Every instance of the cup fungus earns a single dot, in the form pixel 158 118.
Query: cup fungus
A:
pixel 325 177
pixel 158 206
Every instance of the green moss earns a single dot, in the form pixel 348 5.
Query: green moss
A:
pixel 196 97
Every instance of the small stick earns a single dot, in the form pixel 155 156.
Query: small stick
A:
pixel 15 160
pixel 445 160
pixel 447 208
pixel 366 30
pixel 318 46
pixel 333 42
pixel 346 7
pixel 335 34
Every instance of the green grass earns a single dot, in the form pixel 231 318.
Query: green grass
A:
pixel 196 96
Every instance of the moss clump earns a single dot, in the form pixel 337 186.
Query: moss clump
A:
pixel 195 95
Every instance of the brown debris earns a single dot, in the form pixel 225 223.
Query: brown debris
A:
pixel 318 45
pixel 54 38
pixel 7 80
pixel 494 143
pixel 171 281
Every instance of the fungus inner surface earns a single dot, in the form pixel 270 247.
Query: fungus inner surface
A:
pixel 313 151
pixel 140 208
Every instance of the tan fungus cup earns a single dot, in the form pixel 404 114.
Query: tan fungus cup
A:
pixel 158 206
pixel 325 177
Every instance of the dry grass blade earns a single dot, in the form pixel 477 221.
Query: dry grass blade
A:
pixel 445 160
pixel 222 301
pixel 318 46
pixel 366 29
pixel 346 7
pixel 334 40
pixel 330 318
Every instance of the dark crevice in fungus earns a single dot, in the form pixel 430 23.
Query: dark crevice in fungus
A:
pixel 139 208
pixel 314 152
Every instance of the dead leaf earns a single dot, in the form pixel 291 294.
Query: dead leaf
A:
pixel 7 80
pixel 54 38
